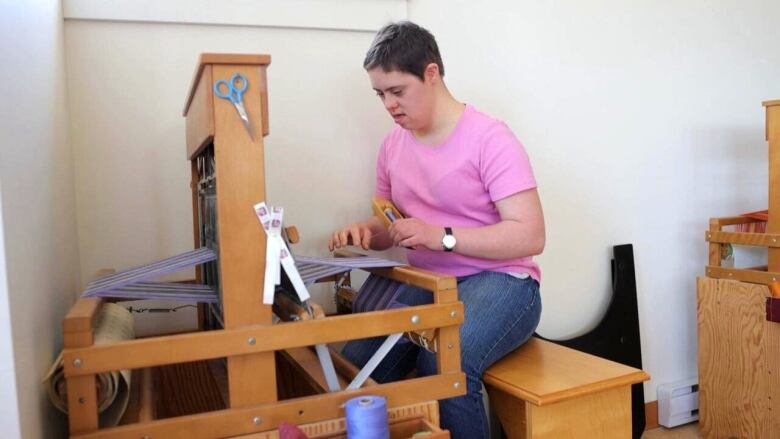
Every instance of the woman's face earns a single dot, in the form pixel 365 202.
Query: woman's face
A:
pixel 408 99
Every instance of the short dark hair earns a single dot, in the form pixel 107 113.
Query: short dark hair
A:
pixel 405 47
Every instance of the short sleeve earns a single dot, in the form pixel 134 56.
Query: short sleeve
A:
pixel 504 164
pixel 382 175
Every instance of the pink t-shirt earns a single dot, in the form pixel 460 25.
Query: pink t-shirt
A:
pixel 456 184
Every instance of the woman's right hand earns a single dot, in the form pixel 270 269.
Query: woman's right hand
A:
pixel 358 234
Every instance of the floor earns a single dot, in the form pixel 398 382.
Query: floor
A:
pixel 689 431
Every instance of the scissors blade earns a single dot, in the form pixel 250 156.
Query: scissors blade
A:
pixel 248 126
pixel 245 120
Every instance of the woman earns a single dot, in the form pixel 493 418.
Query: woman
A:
pixel 466 188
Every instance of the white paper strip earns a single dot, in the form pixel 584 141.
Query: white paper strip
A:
pixel 277 255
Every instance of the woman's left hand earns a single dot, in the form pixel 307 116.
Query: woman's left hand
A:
pixel 413 233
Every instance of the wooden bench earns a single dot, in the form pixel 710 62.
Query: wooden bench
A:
pixel 544 390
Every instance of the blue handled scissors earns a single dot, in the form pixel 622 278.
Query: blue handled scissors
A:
pixel 235 94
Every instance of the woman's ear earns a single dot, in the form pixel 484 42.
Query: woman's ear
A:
pixel 431 72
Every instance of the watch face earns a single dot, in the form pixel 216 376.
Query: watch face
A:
pixel 448 241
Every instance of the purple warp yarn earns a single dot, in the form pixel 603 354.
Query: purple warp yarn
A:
pixel 367 418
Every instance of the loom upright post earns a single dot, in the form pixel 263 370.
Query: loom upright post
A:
pixel 773 138
pixel 241 184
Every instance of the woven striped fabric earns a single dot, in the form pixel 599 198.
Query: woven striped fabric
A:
pixel 376 293
pixel 131 283
pixel 312 269
pixel 181 292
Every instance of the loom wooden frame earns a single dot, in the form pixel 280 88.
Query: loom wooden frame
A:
pixel 739 343
pixel 771 239
pixel 249 338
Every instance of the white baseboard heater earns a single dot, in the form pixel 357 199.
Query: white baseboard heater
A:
pixel 678 403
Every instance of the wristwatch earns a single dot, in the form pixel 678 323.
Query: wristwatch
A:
pixel 448 241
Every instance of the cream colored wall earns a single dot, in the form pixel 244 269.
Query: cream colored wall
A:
pixel 643 120
pixel 40 248
pixel 9 415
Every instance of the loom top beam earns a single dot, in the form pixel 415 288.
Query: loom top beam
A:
pixel 221 58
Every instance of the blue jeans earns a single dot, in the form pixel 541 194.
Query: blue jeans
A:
pixel 501 313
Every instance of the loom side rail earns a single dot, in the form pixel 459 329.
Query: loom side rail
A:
pixel 78 332
pixel 717 238
pixel 205 345
pixel 263 417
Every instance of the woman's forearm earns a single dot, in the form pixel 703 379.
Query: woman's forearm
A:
pixel 507 239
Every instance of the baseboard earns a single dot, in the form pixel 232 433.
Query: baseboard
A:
pixel 651 415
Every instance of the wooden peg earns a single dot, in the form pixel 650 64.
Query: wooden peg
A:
pixel 774 289
pixel 292 234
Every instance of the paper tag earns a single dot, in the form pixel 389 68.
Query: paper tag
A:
pixel 277 255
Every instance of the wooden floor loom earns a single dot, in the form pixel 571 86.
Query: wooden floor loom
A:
pixel 738 315
pixel 270 375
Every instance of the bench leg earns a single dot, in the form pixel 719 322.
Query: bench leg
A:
pixel 510 410
pixel 604 415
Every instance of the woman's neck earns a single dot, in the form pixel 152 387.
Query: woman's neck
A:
pixel 446 113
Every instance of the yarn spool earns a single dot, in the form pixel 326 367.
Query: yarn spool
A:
pixel 367 418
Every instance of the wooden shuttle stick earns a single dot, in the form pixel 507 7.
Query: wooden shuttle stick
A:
pixel 385 210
